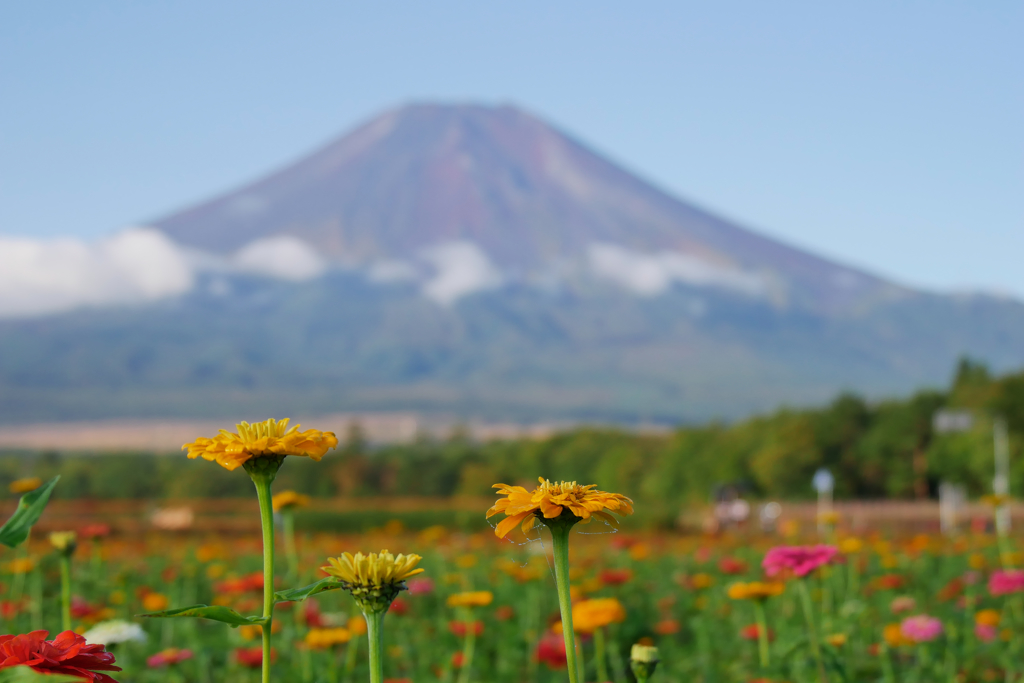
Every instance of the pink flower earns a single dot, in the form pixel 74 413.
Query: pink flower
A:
pixel 420 586
pixel 986 633
pixel 800 559
pixel 167 657
pixel 921 629
pixel 904 603
pixel 1006 581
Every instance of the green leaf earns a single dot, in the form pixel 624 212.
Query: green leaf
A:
pixel 23 674
pixel 296 594
pixel 213 612
pixel 30 507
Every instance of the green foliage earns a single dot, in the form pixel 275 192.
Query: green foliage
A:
pixel 880 449
pixel 30 507
pixel 212 612
pixel 296 594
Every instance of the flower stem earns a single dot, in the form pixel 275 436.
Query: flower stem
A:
pixel 263 480
pixel 599 656
pixel 468 647
pixel 560 545
pixel 812 631
pixel 288 517
pixel 762 633
pixel 65 592
pixel 375 636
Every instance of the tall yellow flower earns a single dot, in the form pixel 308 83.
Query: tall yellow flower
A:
pixel 551 501
pixel 374 579
pixel 270 438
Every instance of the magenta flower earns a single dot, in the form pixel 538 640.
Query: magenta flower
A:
pixel 420 586
pixel 986 633
pixel 1006 581
pixel 799 559
pixel 921 629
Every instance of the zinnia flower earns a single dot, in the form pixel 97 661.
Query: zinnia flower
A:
pixel 903 603
pixel 921 628
pixel 252 657
pixel 115 631
pixel 421 586
pixel 171 655
pixel 755 590
pixel 290 500
pixel 988 617
pixel 471 599
pixel 375 579
pixel 801 560
pixel 67 654
pixel 893 636
pixel 551 650
pixel 460 628
pixel 615 577
pixel 753 632
pixel 986 633
pixel 25 485
pixel 64 541
pixel 590 615
pixel 1006 581
pixel 324 638
pixel 270 438
pixel 549 500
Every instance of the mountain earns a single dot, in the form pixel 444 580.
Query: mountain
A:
pixel 476 261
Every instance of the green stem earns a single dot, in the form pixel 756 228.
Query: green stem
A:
pixel 599 656
pixel 889 676
pixel 812 631
pixel 375 636
pixel 762 633
pixel 263 480
pixel 560 546
pixel 65 592
pixel 288 517
pixel 468 647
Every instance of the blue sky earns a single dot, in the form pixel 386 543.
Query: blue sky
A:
pixel 884 134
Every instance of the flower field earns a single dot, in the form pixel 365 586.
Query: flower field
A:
pixel 678 593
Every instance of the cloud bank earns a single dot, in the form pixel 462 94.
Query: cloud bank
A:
pixel 649 274
pixel 461 268
pixel 135 266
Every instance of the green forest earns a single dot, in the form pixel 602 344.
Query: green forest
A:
pixel 885 449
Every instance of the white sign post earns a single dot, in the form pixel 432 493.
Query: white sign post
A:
pixel 824 483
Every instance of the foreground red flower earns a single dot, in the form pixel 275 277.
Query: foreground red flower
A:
pixel 66 654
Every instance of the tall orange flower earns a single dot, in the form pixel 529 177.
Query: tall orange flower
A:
pixel 270 438
pixel 552 501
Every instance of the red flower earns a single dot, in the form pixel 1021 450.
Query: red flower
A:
pixel 504 613
pixel 312 614
pixel 551 650
pixel 167 657
pixel 9 608
pixel 752 632
pixel 80 608
pixel 252 657
pixel 615 577
pixel 457 660
pixel 251 582
pixel 399 607
pixel 730 565
pixel 459 628
pixel 66 654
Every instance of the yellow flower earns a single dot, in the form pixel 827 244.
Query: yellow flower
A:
pixel 25 485
pixel 830 517
pixel 263 439
pixel 64 541
pixel 373 570
pixel 549 500
pixel 995 499
pixel 471 599
pixel 701 581
pixel 590 615
pixel 755 590
pixel 894 637
pixel 976 561
pixel 643 653
pixel 323 638
pixel 987 617
pixel 289 500
pixel 836 639
pixel 155 602
pixel 20 565
pixel 356 626
pixel 851 545
pixel 466 561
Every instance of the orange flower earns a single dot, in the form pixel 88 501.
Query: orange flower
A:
pixel 270 438
pixel 590 615
pixel 549 500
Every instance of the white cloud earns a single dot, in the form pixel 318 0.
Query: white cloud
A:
pixel 50 276
pixel 282 257
pixel 392 271
pixel 462 268
pixel 653 273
